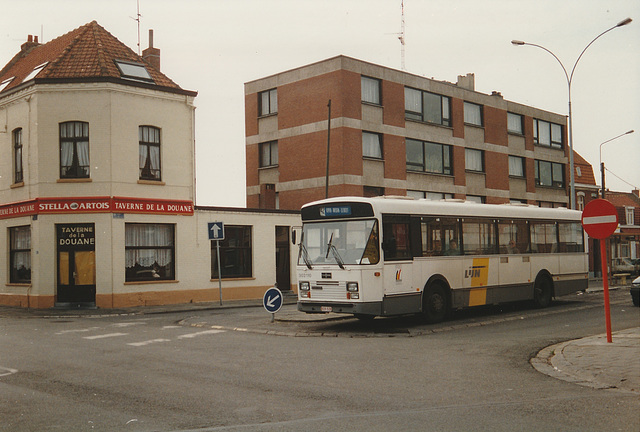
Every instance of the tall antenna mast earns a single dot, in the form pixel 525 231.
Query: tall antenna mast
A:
pixel 401 37
pixel 137 19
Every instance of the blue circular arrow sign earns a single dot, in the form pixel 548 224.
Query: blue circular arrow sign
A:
pixel 272 300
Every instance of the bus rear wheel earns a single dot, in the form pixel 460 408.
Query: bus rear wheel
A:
pixel 435 303
pixel 542 292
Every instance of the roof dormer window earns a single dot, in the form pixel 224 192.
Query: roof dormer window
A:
pixel 5 83
pixel 135 71
pixel 36 70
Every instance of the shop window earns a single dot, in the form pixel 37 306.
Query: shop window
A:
pixel 149 153
pixel 74 150
pixel 235 253
pixel 149 252
pixel 20 254
pixel 18 175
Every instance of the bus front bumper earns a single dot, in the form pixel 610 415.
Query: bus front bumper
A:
pixel 369 308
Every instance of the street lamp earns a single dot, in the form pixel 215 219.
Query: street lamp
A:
pixel 569 79
pixel 602 163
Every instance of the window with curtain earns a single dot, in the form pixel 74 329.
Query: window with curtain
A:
pixel 370 89
pixel 269 154
pixel 516 166
pixel 20 254
pixel 18 175
pixel 549 174
pixel 474 160
pixel 268 102
pixel 149 252
pixel 149 153
pixel 427 107
pixel 235 253
pixel 515 123
pixel 74 149
pixel 428 157
pixel 472 114
pixel 371 145
pixel 547 134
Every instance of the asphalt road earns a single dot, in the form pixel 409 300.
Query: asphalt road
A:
pixel 176 372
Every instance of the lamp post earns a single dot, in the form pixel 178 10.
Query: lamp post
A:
pixel 602 163
pixel 569 78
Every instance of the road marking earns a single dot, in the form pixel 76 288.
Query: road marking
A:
pixel 7 371
pixel 171 327
pixel 149 342
pixel 128 324
pixel 192 335
pixel 108 335
pixel 77 331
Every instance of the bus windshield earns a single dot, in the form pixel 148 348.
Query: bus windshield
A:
pixel 340 242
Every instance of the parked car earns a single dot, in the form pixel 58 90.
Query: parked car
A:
pixel 635 291
pixel 625 265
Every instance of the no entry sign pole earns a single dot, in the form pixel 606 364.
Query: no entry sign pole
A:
pixel 600 220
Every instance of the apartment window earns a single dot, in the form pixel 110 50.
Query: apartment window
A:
pixel 428 157
pixel 149 252
pixel 629 213
pixel 434 196
pixel 18 175
pixel 235 253
pixel 515 123
pixel 427 107
pixel 475 198
pixel 547 134
pixel 149 153
pixel 370 88
pixel 371 145
pixel 269 154
pixel 549 174
pixel 20 254
pixel 472 114
pixel 74 149
pixel 268 102
pixel 372 191
pixel 474 160
pixel 580 202
pixel 516 166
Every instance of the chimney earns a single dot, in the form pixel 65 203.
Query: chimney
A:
pixel 32 42
pixel 636 192
pixel 467 82
pixel 151 54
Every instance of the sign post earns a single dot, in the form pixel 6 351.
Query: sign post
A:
pixel 272 301
pixel 216 232
pixel 600 220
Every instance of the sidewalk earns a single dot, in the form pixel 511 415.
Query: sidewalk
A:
pixel 593 362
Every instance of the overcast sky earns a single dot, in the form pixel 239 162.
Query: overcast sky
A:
pixel 215 46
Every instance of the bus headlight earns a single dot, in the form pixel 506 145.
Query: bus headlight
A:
pixel 304 286
pixel 352 286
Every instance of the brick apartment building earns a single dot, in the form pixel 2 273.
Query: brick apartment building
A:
pixel 396 133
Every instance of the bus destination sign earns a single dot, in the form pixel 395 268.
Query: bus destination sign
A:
pixel 334 211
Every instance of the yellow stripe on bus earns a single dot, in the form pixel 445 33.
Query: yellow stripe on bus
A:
pixel 478 297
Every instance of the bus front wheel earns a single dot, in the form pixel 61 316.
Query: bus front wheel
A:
pixel 435 303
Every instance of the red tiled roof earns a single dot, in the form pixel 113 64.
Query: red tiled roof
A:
pixel 622 199
pixel 85 53
pixel 586 170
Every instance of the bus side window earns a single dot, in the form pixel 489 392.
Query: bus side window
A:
pixel 395 240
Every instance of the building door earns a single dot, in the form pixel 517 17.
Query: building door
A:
pixel 76 284
pixel 283 258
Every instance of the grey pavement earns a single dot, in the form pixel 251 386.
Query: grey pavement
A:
pixel 590 361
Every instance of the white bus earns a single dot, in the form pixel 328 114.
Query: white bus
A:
pixel 393 255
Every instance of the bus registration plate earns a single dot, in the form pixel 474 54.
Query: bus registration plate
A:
pixel 326 308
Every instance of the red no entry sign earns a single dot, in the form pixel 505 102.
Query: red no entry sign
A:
pixel 599 219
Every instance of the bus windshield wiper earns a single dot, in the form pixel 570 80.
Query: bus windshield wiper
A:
pixel 302 252
pixel 334 251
